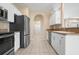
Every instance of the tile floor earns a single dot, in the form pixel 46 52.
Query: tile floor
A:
pixel 37 47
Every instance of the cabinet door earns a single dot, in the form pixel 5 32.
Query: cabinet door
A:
pixel 54 19
pixel 53 40
pixel 49 37
pixel 51 22
pixel 62 45
pixel 58 16
pixel 57 42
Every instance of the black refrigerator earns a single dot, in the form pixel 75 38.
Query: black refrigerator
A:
pixel 23 25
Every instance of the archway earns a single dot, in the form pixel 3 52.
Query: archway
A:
pixel 38 25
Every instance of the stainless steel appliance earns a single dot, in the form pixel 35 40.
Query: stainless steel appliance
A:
pixel 6 43
pixel 23 25
pixel 3 14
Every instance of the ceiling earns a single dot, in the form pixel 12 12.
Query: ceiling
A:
pixel 44 7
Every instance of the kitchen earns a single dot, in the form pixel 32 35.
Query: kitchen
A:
pixel 39 28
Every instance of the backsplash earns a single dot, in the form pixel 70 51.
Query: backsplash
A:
pixel 56 26
pixel 4 26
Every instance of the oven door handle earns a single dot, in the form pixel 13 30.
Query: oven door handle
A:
pixel 4 36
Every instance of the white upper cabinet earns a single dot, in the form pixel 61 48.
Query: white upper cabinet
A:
pixel 11 11
pixel 56 15
pixel 61 12
pixel 71 10
pixel 51 20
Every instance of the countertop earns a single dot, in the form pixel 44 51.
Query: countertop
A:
pixel 65 32
pixel 76 30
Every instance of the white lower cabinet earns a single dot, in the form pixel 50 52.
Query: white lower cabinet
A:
pixel 58 42
pixel 17 41
pixel 62 45
pixel 72 44
pixel 53 40
pixel 65 44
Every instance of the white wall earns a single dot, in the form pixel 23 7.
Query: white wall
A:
pixel 71 10
pixel 11 10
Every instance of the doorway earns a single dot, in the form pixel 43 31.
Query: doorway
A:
pixel 38 26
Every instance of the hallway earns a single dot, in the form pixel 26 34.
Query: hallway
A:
pixel 38 36
pixel 37 47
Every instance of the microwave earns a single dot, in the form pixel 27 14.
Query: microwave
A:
pixel 3 14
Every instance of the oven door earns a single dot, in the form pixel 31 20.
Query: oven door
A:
pixel 6 43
